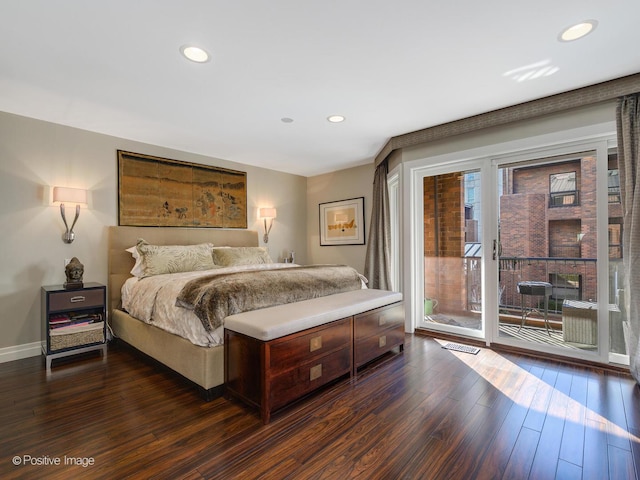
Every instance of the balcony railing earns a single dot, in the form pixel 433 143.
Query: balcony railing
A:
pixel 614 194
pixel 572 278
pixel 567 198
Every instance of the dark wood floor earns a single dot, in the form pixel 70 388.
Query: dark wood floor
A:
pixel 428 413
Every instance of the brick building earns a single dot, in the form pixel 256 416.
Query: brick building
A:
pixel 548 222
pixel 547 232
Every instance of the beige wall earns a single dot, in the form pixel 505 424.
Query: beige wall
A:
pixel 36 155
pixel 341 185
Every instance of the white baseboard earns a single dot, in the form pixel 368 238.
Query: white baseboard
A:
pixel 9 354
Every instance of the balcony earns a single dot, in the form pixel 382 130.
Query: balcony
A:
pixel 567 198
pixel 614 194
pixel 572 278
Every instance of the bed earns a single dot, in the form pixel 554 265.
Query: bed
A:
pixel 203 363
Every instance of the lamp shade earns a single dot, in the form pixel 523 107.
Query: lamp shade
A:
pixel 69 195
pixel 267 213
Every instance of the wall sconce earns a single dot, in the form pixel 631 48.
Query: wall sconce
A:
pixel 70 195
pixel 267 214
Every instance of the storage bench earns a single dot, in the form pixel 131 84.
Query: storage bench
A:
pixel 276 355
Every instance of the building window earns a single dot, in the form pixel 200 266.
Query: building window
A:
pixel 471 194
pixel 566 286
pixel 615 240
pixel 613 180
pixel 562 189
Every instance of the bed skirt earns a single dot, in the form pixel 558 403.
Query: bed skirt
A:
pixel 202 365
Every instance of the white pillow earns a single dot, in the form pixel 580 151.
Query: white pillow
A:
pixel 137 270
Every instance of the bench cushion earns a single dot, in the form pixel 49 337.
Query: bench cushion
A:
pixel 281 320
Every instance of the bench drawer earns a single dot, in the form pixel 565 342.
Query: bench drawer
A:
pixel 289 352
pixel 376 345
pixel 309 376
pixel 377 321
pixel 377 332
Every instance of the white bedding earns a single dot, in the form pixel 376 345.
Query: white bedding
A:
pixel 152 300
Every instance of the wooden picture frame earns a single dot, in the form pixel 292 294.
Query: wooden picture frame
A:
pixel 159 192
pixel 342 222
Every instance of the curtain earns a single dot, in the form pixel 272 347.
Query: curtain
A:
pixel 377 265
pixel 628 126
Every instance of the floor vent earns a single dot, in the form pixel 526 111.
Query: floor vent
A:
pixel 461 348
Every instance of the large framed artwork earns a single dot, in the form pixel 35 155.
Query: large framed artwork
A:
pixel 342 222
pixel 160 192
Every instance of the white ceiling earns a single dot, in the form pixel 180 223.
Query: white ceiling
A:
pixel 389 66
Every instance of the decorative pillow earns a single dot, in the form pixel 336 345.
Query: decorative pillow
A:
pixel 232 256
pixel 159 259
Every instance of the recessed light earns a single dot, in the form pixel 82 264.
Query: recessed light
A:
pixel 336 118
pixel 578 30
pixel 195 54
pixel 286 120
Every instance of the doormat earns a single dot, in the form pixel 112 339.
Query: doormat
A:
pixel 461 348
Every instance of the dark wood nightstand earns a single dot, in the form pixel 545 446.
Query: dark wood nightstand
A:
pixel 73 320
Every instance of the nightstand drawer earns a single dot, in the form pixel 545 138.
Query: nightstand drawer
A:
pixel 76 299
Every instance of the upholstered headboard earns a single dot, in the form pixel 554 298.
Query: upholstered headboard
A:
pixel 121 238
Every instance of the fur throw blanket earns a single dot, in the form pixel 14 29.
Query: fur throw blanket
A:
pixel 216 296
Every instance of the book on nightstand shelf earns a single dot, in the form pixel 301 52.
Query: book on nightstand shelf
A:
pixel 66 321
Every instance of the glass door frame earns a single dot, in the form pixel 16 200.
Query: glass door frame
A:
pixel 600 146
pixel 416 248
pixel 488 161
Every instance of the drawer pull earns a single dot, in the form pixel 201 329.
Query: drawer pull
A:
pixel 315 343
pixel 79 298
pixel 382 341
pixel 315 372
pixel 382 320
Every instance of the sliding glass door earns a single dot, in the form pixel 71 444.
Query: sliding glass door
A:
pixel 560 258
pixel 548 262
pixel 522 250
pixel 451 245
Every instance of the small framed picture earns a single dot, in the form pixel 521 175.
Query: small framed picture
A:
pixel 342 222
